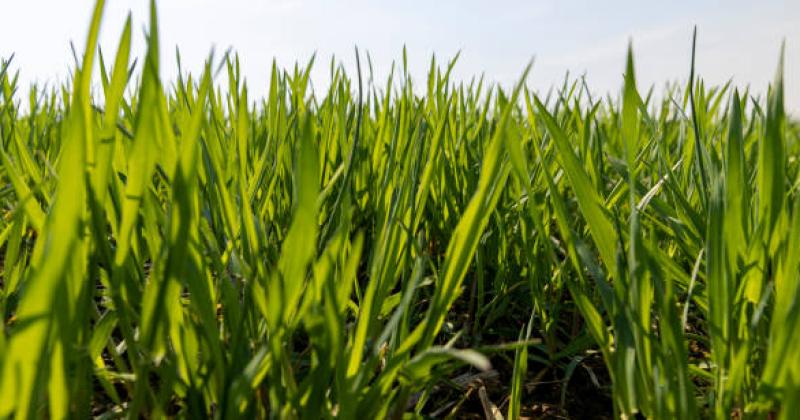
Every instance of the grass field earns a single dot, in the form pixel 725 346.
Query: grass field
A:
pixel 369 251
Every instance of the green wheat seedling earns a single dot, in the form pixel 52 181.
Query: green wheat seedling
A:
pixel 187 250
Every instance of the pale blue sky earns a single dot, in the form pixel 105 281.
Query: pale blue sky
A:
pixel 737 39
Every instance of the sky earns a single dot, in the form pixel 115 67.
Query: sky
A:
pixel 737 40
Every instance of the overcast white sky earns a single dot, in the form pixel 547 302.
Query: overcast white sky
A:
pixel 737 39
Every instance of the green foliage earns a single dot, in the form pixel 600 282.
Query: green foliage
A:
pixel 185 251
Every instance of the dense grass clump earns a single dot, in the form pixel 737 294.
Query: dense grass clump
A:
pixel 370 252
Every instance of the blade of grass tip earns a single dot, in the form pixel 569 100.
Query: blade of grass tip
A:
pixel 58 264
pixel 771 160
pixel 114 93
pixel 736 187
pixel 143 153
pixel 639 290
pixel 640 283
pixel 771 184
pixel 103 70
pixel 695 125
pixel 105 145
pixel 630 121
